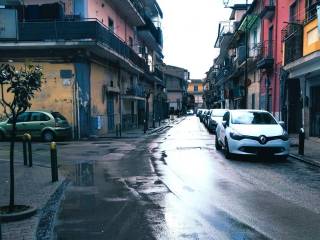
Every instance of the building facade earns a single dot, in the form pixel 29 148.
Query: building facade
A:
pixel 100 58
pixel 301 71
pixel 196 90
pixel 176 80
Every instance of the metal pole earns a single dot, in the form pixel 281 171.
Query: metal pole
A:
pixel 25 156
pixel 28 139
pixel 54 162
pixel 246 61
pixel 301 141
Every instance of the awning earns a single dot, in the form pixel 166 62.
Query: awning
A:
pixel 248 22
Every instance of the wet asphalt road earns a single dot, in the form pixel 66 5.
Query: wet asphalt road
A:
pixel 177 186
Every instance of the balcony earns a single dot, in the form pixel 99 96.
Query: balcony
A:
pixel 87 33
pixel 132 9
pixel 266 55
pixel 135 91
pixel 268 9
pixel 292 36
pixel 311 11
pixel 158 74
pixel 151 34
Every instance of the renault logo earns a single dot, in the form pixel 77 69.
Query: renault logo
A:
pixel 263 139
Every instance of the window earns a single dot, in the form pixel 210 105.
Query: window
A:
pixel 111 24
pixel 195 88
pixel 24 117
pixel 58 116
pixel 293 12
pixel 130 41
pixel 38 116
pixel 253 118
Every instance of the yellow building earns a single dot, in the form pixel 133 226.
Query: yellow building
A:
pixel 196 88
pixel 101 73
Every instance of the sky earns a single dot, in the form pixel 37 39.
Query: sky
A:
pixel 189 33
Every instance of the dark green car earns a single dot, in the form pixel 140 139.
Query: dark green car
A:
pixel 39 124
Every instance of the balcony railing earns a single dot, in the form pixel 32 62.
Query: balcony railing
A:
pixel 266 54
pixel 157 73
pixel 136 91
pixel 311 11
pixel 268 9
pixel 86 30
pixel 156 32
pixel 292 36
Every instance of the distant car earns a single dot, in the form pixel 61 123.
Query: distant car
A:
pixel 206 117
pixel 215 118
pixel 39 124
pixel 199 111
pixel 203 114
pixel 190 112
pixel 252 132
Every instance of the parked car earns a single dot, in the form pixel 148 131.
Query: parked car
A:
pixel 206 118
pixel 199 111
pixel 215 118
pixel 203 114
pixel 39 124
pixel 252 132
pixel 190 112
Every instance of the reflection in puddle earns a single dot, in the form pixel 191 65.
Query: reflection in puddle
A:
pixel 84 174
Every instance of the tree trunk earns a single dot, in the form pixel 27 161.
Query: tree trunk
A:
pixel 13 136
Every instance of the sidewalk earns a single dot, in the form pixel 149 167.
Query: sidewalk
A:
pixel 34 188
pixel 311 150
pixel 139 132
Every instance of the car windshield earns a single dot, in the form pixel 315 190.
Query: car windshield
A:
pixel 218 112
pixel 252 118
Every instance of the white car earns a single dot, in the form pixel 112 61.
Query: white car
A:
pixel 252 132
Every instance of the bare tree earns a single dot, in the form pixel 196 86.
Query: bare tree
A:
pixel 20 87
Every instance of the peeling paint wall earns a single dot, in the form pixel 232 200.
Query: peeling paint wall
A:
pixel 56 93
pixel 101 78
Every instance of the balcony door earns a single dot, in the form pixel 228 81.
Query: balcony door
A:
pixel 270 39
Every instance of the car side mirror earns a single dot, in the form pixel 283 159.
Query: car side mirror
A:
pixel 224 124
pixel 282 124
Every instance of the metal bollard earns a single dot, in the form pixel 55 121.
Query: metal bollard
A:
pixel 28 141
pixel 54 162
pixel 159 121
pixel 24 144
pixel 120 130
pixel 301 141
pixel 144 126
pixel 153 123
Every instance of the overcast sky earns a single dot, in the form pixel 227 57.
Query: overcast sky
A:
pixel 190 30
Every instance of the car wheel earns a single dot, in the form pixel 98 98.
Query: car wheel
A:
pixel 283 158
pixel 227 153
pixel 218 145
pixel 48 136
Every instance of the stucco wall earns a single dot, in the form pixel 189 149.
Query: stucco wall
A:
pixel 101 77
pixel 101 10
pixel 311 38
pixel 56 93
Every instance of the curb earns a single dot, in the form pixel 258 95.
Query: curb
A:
pixel 18 216
pixel 48 213
pixel 313 163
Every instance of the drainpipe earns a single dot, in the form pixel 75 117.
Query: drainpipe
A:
pixel 276 61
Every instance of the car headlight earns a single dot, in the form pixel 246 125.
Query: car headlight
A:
pixel 236 136
pixel 284 136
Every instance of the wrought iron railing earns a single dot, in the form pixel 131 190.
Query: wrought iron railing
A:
pixel 266 50
pixel 78 30
pixel 292 36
